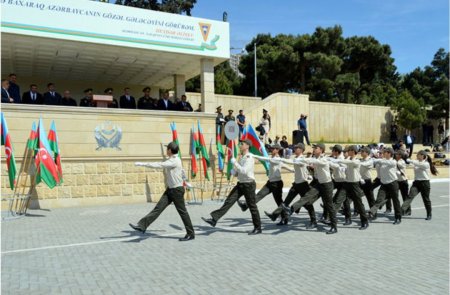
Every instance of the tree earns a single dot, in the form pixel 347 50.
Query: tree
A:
pixel 410 112
pixel 171 6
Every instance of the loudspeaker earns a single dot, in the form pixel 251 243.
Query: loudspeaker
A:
pixel 297 137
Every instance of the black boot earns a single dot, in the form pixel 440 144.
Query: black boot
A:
pixel 348 221
pixel 331 231
pixel 283 221
pixel 243 205
pixel 364 226
pixel 397 221
pixel 271 216
pixel 428 216
pixel 312 225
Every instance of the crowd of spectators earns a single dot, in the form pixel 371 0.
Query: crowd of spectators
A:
pixel 11 94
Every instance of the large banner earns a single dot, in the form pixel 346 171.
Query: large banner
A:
pixel 95 22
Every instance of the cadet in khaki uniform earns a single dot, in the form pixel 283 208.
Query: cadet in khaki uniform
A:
pixel 389 185
pixel 173 178
pixel 366 176
pixel 274 185
pixel 321 186
pixel 246 186
pixel 421 183
pixel 338 175
pixel 402 179
pixel 299 187
pixel 352 186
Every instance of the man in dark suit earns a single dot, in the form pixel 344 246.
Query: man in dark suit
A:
pixel 6 96
pixel 164 104
pixel 184 105
pixel 51 97
pixel 32 96
pixel 126 100
pixel 67 100
pixel 14 89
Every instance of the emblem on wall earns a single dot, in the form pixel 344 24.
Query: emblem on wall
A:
pixel 108 135
pixel 204 28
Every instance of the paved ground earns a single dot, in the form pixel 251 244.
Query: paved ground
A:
pixel 93 251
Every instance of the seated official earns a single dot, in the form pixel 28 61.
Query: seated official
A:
pixel 87 100
pixel 147 102
pixel 51 97
pixel 126 100
pixel 67 100
pixel 32 96
pixel 184 105
pixel 164 104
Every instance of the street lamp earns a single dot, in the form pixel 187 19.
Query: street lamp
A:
pixel 255 69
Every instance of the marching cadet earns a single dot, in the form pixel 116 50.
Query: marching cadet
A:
pixel 389 185
pixel 352 187
pixel 402 179
pixel 246 186
pixel 299 187
pixel 422 168
pixel 366 176
pixel 173 178
pixel 274 185
pixel 321 186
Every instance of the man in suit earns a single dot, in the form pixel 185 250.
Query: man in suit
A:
pixel 184 105
pixel 67 100
pixel 87 101
pixel 32 96
pixel 6 96
pixel 51 97
pixel 126 100
pixel 14 89
pixel 164 104
pixel 146 102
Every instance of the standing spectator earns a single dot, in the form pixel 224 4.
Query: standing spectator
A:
pixel 430 133
pixel 409 140
pixel 394 137
pixel 164 104
pixel 264 125
pixel 229 117
pixel 6 96
pixel 241 122
pixel 220 121
pixel 146 102
pixel 67 100
pixel 14 89
pixel 441 131
pixel 51 97
pixel 424 133
pixel 302 126
pixel 87 100
pixel 32 96
pixel 114 104
pixel 126 100
pixel 184 105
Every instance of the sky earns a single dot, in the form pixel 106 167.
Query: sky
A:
pixel 414 29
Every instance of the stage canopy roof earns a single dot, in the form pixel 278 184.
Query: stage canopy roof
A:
pixel 92 41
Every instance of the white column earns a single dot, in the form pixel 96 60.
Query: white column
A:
pixel 154 92
pixel 207 85
pixel 179 82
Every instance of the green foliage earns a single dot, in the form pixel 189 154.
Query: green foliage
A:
pixel 410 112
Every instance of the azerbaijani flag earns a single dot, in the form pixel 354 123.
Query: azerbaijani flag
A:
pixel 220 152
pixel 193 153
pixel 175 136
pixel 257 147
pixel 9 153
pixel 33 139
pixel 231 153
pixel 53 141
pixel 46 169
pixel 203 151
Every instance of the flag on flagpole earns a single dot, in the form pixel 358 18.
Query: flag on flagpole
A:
pixel 46 170
pixel 32 141
pixel 231 153
pixel 257 147
pixel 203 151
pixel 9 153
pixel 53 141
pixel 193 153
pixel 220 152
pixel 173 127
